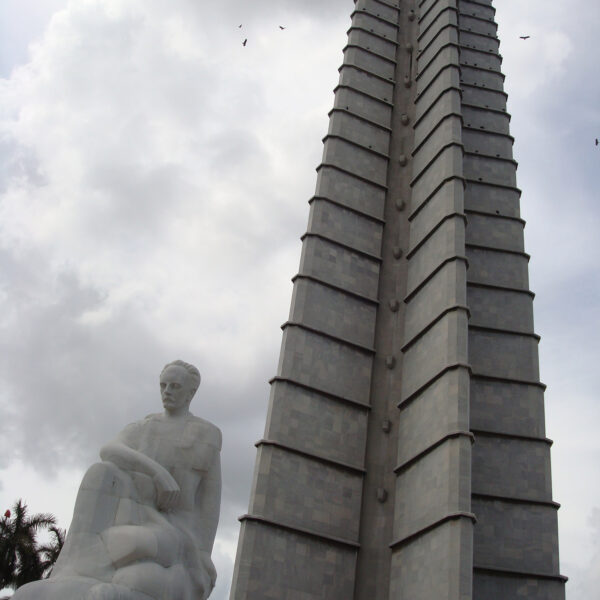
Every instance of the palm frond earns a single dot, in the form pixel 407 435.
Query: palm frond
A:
pixel 21 558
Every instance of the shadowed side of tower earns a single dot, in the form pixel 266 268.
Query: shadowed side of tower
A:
pixel 404 455
pixel 516 536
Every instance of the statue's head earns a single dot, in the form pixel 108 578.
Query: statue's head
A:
pixel 178 384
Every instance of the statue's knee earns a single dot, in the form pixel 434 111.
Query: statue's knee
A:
pixel 101 475
pixel 30 591
pixel 97 500
pixel 55 589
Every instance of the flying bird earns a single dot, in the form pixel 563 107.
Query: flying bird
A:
pixel 240 26
pixel 245 42
pixel 524 37
pixel 597 141
pixel 281 27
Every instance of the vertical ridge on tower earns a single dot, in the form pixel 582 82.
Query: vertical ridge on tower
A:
pixel 404 453
pixel 432 546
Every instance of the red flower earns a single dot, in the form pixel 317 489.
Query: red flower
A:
pixel 7 514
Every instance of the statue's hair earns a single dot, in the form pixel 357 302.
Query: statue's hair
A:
pixel 191 370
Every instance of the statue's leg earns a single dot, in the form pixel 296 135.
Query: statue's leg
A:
pixel 96 507
pixel 69 588
pixel 158 582
pixel 156 541
pixel 102 488
pixel 109 591
pixel 130 543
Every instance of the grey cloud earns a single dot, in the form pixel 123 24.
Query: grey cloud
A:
pixel 247 149
pixel 587 572
pixel 128 203
pixel 66 384
pixel 260 10
pixel 18 163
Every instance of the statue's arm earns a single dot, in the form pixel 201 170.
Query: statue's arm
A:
pixel 120 453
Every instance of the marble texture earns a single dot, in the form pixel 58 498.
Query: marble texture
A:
pixel 146 516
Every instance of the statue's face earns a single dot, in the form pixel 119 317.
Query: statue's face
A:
pixel 175 389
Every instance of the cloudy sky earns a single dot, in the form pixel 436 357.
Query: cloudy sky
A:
pixel 154 176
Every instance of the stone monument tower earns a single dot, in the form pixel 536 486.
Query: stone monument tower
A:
pixel 405 455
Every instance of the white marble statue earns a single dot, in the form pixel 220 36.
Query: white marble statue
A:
pixel 146 516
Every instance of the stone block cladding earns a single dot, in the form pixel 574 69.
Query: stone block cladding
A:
pixel 404 455
pixel 515 538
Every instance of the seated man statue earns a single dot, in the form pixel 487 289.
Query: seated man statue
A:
pixel 145 518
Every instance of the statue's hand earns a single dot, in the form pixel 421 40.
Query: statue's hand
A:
pixel 167 491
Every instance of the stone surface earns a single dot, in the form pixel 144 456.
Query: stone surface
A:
pixel 146 516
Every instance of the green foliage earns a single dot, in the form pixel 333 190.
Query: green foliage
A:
pixel 50 551
pixel 22 559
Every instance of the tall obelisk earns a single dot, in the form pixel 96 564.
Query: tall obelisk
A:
pixel 405 454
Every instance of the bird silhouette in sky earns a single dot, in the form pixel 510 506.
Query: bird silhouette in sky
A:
pixel 524 37
pixel 240 26
pixel 281 27
pixel 245 42
pixel 596 141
